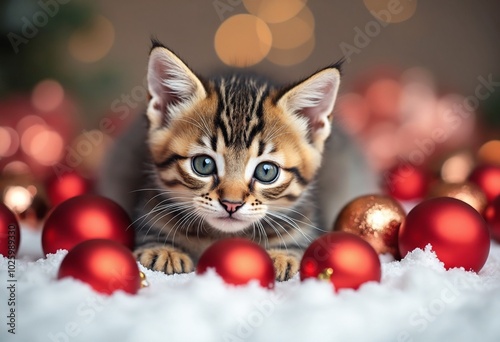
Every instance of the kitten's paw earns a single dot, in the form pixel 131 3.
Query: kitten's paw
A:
pixel 165 259
pixel 286 265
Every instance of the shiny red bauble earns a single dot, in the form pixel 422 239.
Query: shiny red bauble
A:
pixel 345 259
pixel 105 265
pixel 405 182
pixel 492 217
pixel 9 232
pixel 83 218
pixel 457 232
pixel 65 186
pixel 488 179
pixel 238 261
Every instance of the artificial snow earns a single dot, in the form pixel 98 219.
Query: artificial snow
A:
pixel 417 300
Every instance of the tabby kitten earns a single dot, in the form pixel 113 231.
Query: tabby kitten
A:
pixel 225 157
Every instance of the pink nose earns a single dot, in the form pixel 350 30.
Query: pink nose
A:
pixel 231 207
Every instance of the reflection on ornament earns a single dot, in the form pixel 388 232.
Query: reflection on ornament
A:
pixel 17 198
pixel 466 192
pixel 105 265
pixel 492 217
pixel 92 43
pixel 238 261
pixel 457 232
pixel 374 218
pixel 243 40
pixel 344 259
pixel 274 11
pixel 47 95
pixel 488 179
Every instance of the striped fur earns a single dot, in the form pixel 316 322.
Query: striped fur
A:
pixel 239 122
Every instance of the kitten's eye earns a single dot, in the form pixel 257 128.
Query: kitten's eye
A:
pixel 266 172
pixel 203 165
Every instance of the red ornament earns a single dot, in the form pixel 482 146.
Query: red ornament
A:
pixel 83 218
pixel 9 232
pixel 105 265
pixel 488 179
pixel 345 259
pixel 405 182
pixel 492 217
pixel 238 261
pixel 457 232
pixel 68 185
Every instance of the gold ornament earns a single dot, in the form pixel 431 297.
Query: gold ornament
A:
pixel 144 281
pixel 326 274
pixel 465 191
pixel 374 218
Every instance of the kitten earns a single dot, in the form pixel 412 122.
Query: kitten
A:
pixel 225 157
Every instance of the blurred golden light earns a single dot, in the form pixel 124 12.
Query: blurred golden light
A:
pixel 457 168
pixel 9 142
pixel 93 42
pixel 353 112
pixel 17 198
pixel 391 11
pixel 294 32
pixel 46 147
pixel 16 168
pixel 243 40
pixel 489 153
pixel 47 95
pixel 292 56
pixel 274 11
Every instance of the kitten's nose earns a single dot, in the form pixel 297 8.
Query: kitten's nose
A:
pixel 231 207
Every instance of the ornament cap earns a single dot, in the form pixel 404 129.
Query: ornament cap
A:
pixel 326 274
pixel 144 280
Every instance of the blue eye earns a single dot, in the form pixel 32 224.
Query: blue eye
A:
pixel 266 172
pixel 203 165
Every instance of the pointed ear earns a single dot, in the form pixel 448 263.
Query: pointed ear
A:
pixel 313 100
pixel 173 87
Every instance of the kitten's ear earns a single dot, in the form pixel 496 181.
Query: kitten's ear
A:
pixel 313 99
pixel 173 87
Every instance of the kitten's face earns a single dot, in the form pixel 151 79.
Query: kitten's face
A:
pixel 233 151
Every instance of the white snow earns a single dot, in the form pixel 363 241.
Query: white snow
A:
pixel 417 300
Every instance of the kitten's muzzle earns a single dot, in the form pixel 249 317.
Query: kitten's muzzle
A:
pixel 230 206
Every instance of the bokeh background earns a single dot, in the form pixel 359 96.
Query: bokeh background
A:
pixel 420 79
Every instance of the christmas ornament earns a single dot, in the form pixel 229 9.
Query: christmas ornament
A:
pixel 83 218
pixel 488 179
pixel 492 217
pixel 457 232
pixel 406 182
pixel 9 232
pixel 63 187
pixel 344 259
pixel 105 265
pixel 468 192
pixel 238 261
pixel 374 218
